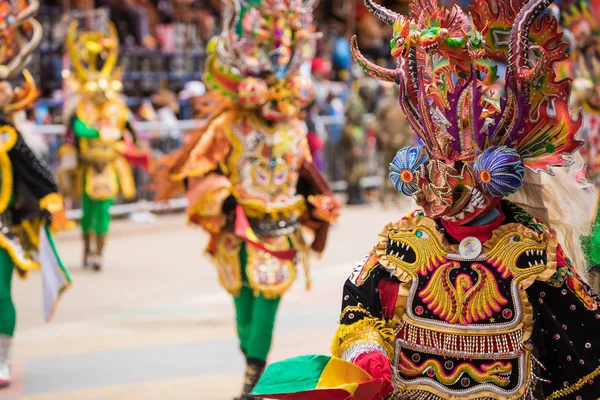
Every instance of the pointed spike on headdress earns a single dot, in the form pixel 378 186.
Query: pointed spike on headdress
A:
pixel 387 16
pixel 374 70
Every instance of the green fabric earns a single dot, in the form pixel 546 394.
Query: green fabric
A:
pixel 8 314
pixel 255 317
pixel 95 216
pixel 591 244
pixel 61 265
pixel 297 374
pixel 82 131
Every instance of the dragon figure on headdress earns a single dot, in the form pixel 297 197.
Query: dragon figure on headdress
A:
pixel 446 96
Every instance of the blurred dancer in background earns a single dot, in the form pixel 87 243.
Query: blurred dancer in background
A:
pixel 393 132
pixel 249 177
pixel 29 201
pixel 95 162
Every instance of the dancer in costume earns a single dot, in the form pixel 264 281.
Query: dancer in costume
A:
pixel 583 66
pixel 101 139
pixel 472 297
pixel 249 177
pixel 28 194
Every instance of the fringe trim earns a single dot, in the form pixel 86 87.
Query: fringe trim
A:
pixel 365 330
pixel 575 387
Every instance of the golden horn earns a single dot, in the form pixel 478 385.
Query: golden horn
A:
pixel 78 67
pixel 113 54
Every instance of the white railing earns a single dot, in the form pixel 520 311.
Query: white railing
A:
pixel 145 201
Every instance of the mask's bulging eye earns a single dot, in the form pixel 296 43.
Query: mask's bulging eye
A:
pixel 499 171
pixel 404 167
pixel 515 239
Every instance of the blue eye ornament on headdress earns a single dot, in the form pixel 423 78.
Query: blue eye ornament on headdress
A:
pixel 500 171
pixel 403 169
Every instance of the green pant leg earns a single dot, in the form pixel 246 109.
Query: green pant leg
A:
pixel 264 312
pixel 8 315
pixel 243 305
pixel 87 214
pixel 243 316
pixel 102 215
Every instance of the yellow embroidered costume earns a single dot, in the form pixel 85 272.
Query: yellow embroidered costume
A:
pixel 248 175
pixel 95 164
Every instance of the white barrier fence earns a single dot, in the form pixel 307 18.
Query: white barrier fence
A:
pixel 162 142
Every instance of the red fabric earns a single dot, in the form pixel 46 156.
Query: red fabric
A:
pixel 378 366
pixel 388 293
pixel 244 230
pixel 481 232
pixel 314 142
pixel 136 157
pixel 561 257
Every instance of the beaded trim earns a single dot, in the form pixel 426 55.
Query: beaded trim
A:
pixel 502 346
pixel 362 348
pixel 575 387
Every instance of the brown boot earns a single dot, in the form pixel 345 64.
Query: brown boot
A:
pixel 100 243
pixel 87 249
pixel 254 370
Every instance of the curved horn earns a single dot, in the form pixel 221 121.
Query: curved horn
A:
pixel 28 12
pixel 26 47
pixel 78 67
pixel 31 95
pixel 374 70
pixel 387 16
pixel 113 54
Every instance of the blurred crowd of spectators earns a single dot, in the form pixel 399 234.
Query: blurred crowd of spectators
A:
pixel 350 120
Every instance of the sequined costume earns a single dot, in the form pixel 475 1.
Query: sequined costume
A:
pixel 248 175
pixel 471 297
pixel 29 201
pixel 101 139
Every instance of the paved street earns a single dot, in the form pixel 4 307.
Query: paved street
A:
pixel 156 325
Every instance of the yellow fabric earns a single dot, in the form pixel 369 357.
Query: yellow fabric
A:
pixel 340 374
pixel 125 178
pixel 52 202
pixel 101 185
pixel 22 263
pixel 366 330
pixel 8 139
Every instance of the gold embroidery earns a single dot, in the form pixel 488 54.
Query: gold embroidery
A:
pixel 460 300
pixel 365 330
pixel 417 238
pixel 575 387
pixel 266 273
pixel 227 258
pixel 359 308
